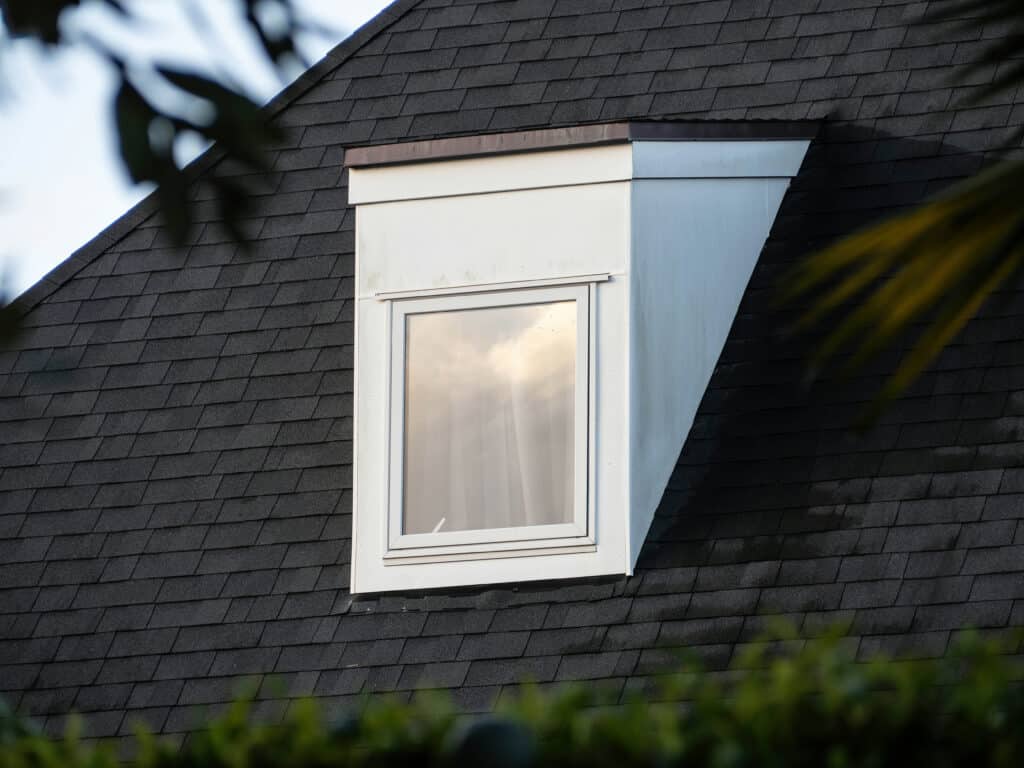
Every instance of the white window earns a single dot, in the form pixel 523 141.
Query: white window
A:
pixel 489 434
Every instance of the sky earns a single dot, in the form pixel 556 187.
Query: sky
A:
pixel 61 181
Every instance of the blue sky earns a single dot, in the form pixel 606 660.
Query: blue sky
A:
pixel 60 178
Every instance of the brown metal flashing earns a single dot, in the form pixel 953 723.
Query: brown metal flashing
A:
pixel 575 136
pixel 487 144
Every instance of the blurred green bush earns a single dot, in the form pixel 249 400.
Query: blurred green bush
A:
pixel 784 704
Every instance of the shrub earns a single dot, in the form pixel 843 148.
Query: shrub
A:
pixel 812 706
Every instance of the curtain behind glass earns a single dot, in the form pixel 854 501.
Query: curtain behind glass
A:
pixel 489 417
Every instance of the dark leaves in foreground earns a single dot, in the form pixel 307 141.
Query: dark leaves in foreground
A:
pixel 34 19
pixel 1003 53
pixel 934 266
pixel 149 125
pixel 931 268
pixel 789 703
pixel 147 138
pixel 10 322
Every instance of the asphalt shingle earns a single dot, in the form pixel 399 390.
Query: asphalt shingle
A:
pixel 176 470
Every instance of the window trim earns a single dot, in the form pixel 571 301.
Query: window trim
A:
pixel 601 277
pixel 578 535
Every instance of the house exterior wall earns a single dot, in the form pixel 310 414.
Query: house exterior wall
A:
pixel 176 454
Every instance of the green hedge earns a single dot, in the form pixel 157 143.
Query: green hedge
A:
pixel 812 706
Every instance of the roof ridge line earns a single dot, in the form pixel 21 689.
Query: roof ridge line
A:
pixel 88 252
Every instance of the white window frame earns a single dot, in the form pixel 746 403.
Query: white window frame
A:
pixel 497 542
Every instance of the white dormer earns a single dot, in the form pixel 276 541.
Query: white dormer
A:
pixel 537 317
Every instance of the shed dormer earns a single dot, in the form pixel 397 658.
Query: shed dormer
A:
pixel 537 317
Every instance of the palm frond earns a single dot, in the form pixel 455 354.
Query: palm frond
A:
pixel 932 266
pixel 999 52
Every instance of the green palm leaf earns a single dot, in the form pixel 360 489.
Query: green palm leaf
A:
pixel 933 266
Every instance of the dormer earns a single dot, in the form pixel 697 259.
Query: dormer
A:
pixel 538 315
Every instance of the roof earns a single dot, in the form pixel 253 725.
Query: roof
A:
pixel 175 482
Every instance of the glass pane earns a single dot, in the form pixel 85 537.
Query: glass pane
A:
pixel 489 412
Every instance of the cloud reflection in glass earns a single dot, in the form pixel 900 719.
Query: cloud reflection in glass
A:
pixel 489 418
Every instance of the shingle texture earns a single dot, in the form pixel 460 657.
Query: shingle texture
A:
pixel 175 468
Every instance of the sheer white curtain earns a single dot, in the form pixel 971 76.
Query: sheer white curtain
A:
pixel 489 417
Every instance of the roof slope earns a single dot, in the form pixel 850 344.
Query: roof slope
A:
pixel 176 462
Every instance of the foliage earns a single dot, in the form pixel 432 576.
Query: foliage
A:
pixel 935 265
pixel 812 707
pixel 157 104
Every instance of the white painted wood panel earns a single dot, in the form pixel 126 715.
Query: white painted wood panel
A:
pixel 481 175
pixel 717 159
pixel 495 238
pixel 695 244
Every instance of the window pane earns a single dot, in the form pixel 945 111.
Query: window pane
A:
pixel 489 412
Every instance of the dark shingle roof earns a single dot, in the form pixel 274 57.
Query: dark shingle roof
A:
pixel 176 458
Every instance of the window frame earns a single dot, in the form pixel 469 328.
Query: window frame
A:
pixel 496 542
